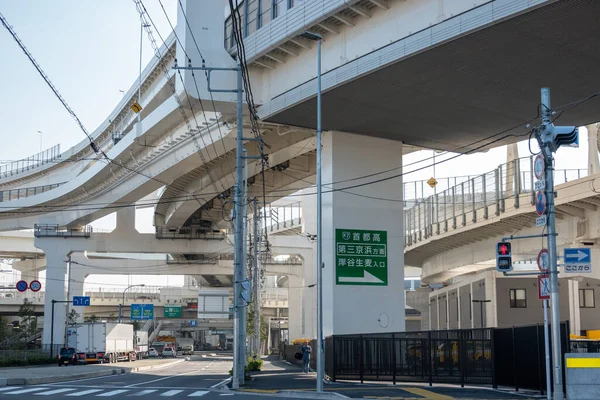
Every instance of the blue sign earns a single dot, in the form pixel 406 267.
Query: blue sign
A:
pixel 142 311
pixel 540 203
pixel 82 301
pixel 578 256
pixel 193 323
pixel 21 286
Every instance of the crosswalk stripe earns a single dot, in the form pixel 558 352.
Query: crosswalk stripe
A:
pixel 143 392
pixel 199 393
pixel 85 392
pixel 50 393
pixel 26 390
pixel 171 393
pixel 112 393
pixel 2 389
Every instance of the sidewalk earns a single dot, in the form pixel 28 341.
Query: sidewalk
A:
pixel 50 374
pixel 285 380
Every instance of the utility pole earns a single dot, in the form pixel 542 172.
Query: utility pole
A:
pixel 239 304
pixel 549 139
pixel 67 307
pixel 256 286
pixel 546 138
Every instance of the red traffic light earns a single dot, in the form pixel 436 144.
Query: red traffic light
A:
pixel 504 249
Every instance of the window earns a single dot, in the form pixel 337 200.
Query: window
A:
pixel 252 16
pixel 277 8
pixel 586 298
pixel 518 298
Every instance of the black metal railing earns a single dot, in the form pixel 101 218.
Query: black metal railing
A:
pixel 52 230
pixel 31 162
pixel 163 232
pixel 15 194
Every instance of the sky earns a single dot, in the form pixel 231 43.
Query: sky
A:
pixel 90 51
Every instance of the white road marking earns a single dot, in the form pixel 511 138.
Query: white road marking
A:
pixel 85 392
pixel 144 392
pixel 171 393
pixel 199 393
pixel 27 390
pixel 56 391
pixel 113 393
pixel 2 389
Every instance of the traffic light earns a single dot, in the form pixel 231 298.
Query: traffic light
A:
pixel 563 136
pixel 503 257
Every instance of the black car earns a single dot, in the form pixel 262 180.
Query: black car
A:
pixel 67 356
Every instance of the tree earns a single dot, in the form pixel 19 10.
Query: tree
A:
pixel 136 325
pixel 92 318
pixel 111 318
pixel 250 317
pixel 28 319
pixel 73 317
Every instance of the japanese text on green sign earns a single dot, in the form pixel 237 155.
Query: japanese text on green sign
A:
pixel 361 257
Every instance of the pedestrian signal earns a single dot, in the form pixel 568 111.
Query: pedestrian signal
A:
pixel 503 257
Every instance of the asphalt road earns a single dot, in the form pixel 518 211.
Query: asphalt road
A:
pixel 192 379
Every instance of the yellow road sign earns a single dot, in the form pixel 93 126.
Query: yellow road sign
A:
pixel 432 182
pixel 136 107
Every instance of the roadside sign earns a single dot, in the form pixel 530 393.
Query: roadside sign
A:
pixel 21 286
pixel 81 301
pixel 539 185
pixel 539 166
pixel 541 221
pixel 578 260
pixel 543 260
pixel 193 323
pixel 544 287
pixel 35 285
pixel 432 182
pixel 172 312
pixel 142 311
pixel 136 108
pixel 540 203
pixel 361 257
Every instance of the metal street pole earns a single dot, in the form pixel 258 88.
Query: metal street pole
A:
pixel 52 325
pixel 321 350
pixel 123 301
pixel 239 268
pixel 546 139
pixel 256 280
pixel 547 350
pixel 67 308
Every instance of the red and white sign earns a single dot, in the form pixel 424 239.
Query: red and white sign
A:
pixel 543 261
pixel 35 285
pixel 539 166
pixel 544 287
pixel 540 203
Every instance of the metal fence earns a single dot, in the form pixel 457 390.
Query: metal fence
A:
pixel 53 230
pixel 31 162
pixel 16 357
pixel 454 356
pixel 163 232
pixel 472 199
pixel 15 194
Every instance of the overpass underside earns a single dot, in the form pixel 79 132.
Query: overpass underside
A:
pixel 463 90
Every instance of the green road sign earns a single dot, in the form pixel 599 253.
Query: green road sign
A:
pixel 361 257
pixel 172 311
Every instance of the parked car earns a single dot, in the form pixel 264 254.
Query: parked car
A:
pixel 169 352
pixel 152 352
pixel 187 349
pixel 67 356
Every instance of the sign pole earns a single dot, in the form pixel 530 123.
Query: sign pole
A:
pixel 546 138
pixel 547 351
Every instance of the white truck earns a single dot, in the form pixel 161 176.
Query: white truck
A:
pixel 141 344
pixel 104 341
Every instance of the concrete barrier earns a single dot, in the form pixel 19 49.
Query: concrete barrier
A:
pixel 582 376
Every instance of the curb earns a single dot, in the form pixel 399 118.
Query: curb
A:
pixel 53 379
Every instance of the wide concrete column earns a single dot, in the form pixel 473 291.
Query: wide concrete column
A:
pixel 56 268
pixel 368 298
pixel 296 316
pixel 574 310
pixel 593 161
pixel 77 276
pixel 512 178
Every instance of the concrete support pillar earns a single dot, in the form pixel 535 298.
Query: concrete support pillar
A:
pixel 126 220
pixel 296 315
pixel 55 290
pixel 574 310
pixel 78 276
pixel 362 299
pixel 593 147
pixel 512 178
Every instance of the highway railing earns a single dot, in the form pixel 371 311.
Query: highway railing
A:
pixel 27 164
pixel 15 194
pixel 476 197
pixel 163 232
pixel 52 230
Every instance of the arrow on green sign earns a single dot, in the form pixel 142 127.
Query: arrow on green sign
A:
pixel 366 278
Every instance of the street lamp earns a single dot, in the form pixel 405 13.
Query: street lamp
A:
pixel 481 309
pixel 123 303
pixel 40 132
pixel 320 350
